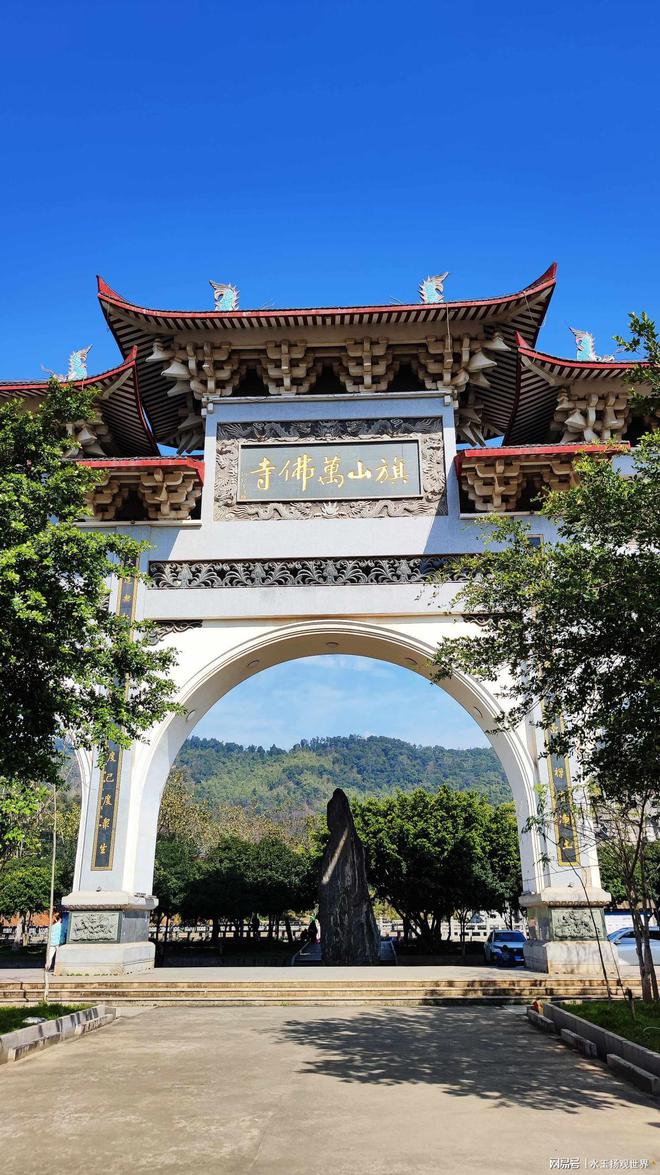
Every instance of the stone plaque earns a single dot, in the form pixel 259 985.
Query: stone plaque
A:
pixel 397 465
pixel 94 926
pixel 326 472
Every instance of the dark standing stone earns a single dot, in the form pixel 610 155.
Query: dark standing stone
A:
pixel 349 933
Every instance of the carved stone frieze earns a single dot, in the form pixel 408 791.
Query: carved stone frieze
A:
pixel 574 923
pixel 428 431
pixel 260 573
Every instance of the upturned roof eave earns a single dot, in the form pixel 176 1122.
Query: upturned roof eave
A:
pixel 544 360
pixel 128 365
pixel 422 311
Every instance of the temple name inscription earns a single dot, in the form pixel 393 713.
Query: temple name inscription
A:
pixel 329 470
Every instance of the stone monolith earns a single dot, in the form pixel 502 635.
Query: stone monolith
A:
pixel 349 933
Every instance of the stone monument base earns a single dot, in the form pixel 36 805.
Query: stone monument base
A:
pixel 573 958
pixel 108 934
pixel 568 936
pixel 104 958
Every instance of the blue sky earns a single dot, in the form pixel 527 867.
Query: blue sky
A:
pixel 339 695
pixel 324 154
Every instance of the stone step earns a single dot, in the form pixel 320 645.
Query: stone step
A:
pixel 148 990
pixel 300 983
pixel 320 992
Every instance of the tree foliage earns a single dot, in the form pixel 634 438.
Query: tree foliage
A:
pixel 576 623
pixel 430 855
pixel 644 378
pixel 68 665
pixel 238 878
pixel 287 787
pixel 24 888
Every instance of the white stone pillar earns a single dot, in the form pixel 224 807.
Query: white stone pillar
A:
pixel 565 913
pixel 108 930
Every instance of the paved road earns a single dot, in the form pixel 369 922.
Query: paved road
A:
pixel 317 1091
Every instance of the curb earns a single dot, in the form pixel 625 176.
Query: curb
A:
pixel 14 1046
pixel 598 1046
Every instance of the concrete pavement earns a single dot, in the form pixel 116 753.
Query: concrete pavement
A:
pixel 317 1091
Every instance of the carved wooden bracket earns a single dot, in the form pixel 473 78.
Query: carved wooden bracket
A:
pixel 496 480
pixel 591 414
pixel 165 488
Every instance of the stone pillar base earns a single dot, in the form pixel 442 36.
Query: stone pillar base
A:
pixel 565 933
pixel 571 958
pixel 116 958
pixel 108 934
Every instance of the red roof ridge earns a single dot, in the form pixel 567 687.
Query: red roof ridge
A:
pixel 23 384
pixel 143 462
pixel 107 294
pixel 540 450
pixel 589 364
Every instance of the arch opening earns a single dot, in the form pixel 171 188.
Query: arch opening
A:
pixel 220 674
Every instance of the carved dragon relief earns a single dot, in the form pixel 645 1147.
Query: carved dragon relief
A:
pixel 428 431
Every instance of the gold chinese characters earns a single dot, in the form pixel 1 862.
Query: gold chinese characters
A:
pixel 334 471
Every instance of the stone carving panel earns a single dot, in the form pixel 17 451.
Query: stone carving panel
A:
pixel 259 573
pixel 428 431
pixel 574 924
pixel 94 926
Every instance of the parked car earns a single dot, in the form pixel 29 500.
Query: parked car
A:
pixel 627 933
pixel 504 946
pixel 624 941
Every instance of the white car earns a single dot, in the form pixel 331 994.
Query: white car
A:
pixel 624 941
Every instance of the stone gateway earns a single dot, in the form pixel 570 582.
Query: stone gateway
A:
pixel 349 933
pixel 323 462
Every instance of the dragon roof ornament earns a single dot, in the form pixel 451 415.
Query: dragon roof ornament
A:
pixel 432 289
pixel 225 296
pixel 586 347
pixel 77 368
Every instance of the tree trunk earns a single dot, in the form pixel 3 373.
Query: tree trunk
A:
pixel 289 932
pixel 647 991
pixel 646 903
pixel 215 931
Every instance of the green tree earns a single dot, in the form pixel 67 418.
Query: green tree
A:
pixel 182 817
pixel 69 667
pixel 644 378
pixel 576 625
pixel 432 854
pixel 24 889
pixel 222 885
pixel 238 878
pixel 176 868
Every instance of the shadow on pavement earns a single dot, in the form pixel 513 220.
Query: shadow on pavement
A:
pixel 485 1053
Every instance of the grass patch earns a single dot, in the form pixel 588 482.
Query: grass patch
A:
pixel 13 1018
pixel 615 1016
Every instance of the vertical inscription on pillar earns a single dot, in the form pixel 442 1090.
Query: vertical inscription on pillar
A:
pixel 560 793
pixel 110 771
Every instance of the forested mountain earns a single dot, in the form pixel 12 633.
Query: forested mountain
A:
pixel 301 780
